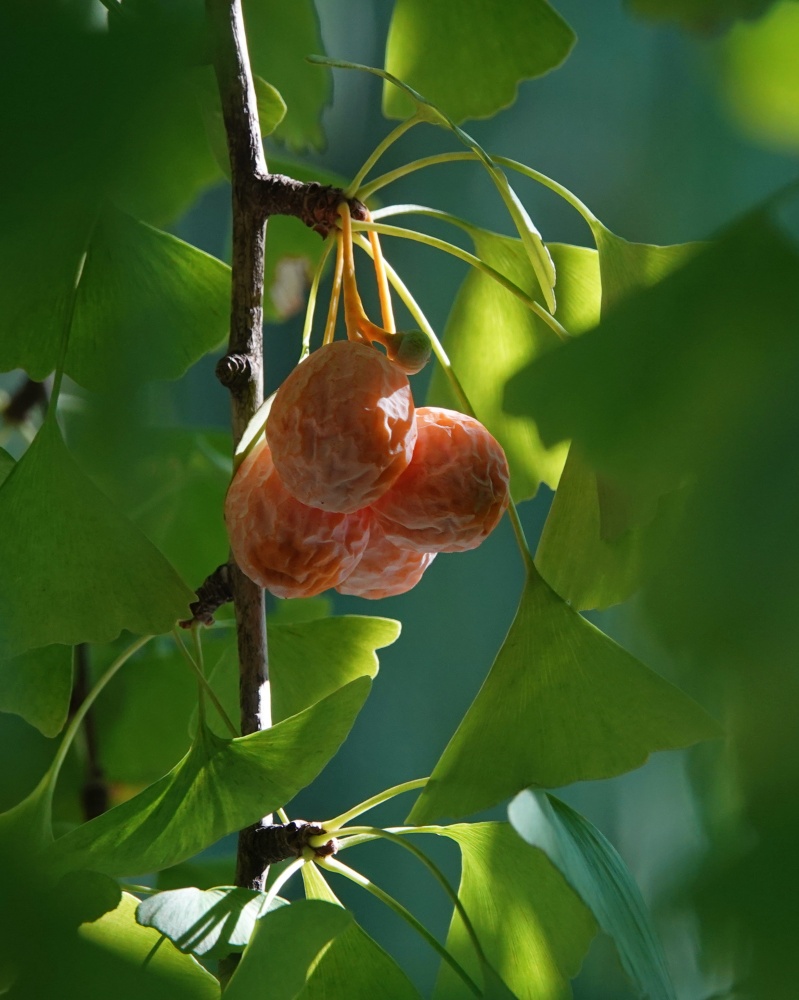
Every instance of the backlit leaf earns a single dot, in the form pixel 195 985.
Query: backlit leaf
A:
pixel 38 685
pixel 75 570
pixel 562 703
pixel 285 947
pixel 211 922
pixel 532 926
pixel 220 786
pixel 491 335
pixel 593 868
pixel 354 965
pixel 471 73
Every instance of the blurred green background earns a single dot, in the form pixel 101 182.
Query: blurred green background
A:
pixel 667 135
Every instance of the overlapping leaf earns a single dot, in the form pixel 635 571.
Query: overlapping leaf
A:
pixel 537 252
pixel 700 15
pixel 144 947
pixel 219 787
pixel 38 685
pixel 285 948
pixel 211 922
pixel 562 703
pixel 75 570
pixel 532 926
pixel 593 868
pixel 491 335
pixel 354 965
pixel 471 73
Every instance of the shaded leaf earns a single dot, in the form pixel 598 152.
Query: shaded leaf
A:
pixel 490 335
pixel 279 37
pixel 700 15
pixel 38 685
pixel 221 786
pixel 284 949
pixel 271 111
pixel 426 111
pixel 533 928
pixel 148 306
pixel 691 380
pixel 86 896
pixel 202 873
pixel 120 934
pixel 76 570
pixel 354 965
pixel 211 922
pixel 561 703
pixel 593 868
pixel 435 47
pixel 6 464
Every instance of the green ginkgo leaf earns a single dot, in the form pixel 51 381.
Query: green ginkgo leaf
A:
pixel 562 703
pixel 285 948
pixel 593 868
pixel 433 45
pixel 491 335
pixel 210 922
pixel 6 464
pixel 354 965
pixel 220 786
pixel 37 685
pixel 533 928
pixel 147 305
pixel 74 569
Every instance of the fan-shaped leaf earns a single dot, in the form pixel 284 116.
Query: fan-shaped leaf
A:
pixel 433 45
pixel 75 570
pixel 38 685
pixel 561 703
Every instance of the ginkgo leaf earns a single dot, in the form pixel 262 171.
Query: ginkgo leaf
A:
pixel 147 306
pixel 562 703
pixel 285 947
pixel 354 965
pixel 593 868
pixel 425 110
pixel 119 932
pixel 74 569
pixel 37 685
pixel 211 922
pixel 6 464
pixel 700 15
pixel 434 46
pixel 219 787
pixel 532 926
pixel 491 335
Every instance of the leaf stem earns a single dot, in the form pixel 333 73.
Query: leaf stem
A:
pixel 333 865
pixel 335 292
pixel 378 151
pixel 371 803
pixel 469 258
pixel 86 704
pixel 310 309
pixel 205 687
pixel 280 881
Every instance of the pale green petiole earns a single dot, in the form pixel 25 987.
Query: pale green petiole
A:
pixel 380 148
pixel 331 864
pixel 205 687
pixel 280 881
pixel 443 359
pixel 469 258
pixel 312 296
pixel 371 803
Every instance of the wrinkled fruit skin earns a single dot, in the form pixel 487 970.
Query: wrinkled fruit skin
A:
pixel 385 569
pixel 284 546
pixel 342 427
pixel 455 489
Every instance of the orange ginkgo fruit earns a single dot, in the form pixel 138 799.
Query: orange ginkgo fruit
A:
pixel 385 569
pixel 455 489
pixel 288 548
pixel 341 427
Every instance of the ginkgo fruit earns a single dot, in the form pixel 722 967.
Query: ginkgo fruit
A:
pixel 385 569
pixel 455 489
pixel 288 548
pixel 341 428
